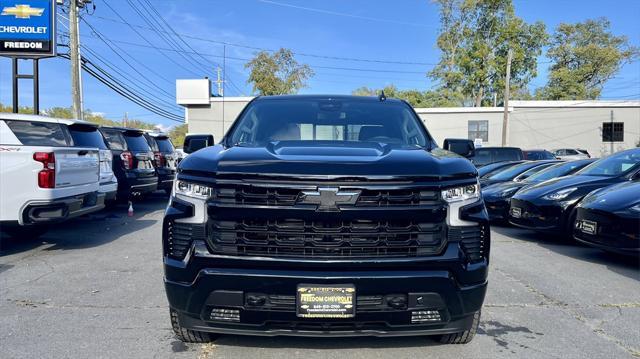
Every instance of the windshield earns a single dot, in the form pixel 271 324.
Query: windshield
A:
pixel 512 171
pixel 554 171
pixel 614 165
pixel 336 120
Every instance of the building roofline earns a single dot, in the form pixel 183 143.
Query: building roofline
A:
pixel 577 103
pixel 420 110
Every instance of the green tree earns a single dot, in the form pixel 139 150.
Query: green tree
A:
pixel 416 98
pixel 177 134
pixel 364 91
pixel 278 73
pixel 584 56
pixel 474 40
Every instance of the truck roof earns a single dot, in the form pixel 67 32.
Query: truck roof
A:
pixel 325 97
pixel 39 118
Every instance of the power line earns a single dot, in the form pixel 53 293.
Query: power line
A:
pixel 159 16
pixel 247 59
pixel 114 47
pixel 149 42
pixel 104 77
pixel 326 57
pixel 353 16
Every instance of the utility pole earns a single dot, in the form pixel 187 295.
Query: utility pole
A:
pixel 219 82
pixel 125 120
pixel 74 57
pixel 505 118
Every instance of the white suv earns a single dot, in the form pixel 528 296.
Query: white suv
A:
pixel 44 178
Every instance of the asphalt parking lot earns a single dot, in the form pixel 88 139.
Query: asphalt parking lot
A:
pixel 92 287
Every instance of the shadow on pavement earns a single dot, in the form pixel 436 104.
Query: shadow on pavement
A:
pixel 91 230
pixel 327 343
pixel 624 265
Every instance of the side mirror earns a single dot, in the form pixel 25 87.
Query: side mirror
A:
pixel 460 146
pixel 193 143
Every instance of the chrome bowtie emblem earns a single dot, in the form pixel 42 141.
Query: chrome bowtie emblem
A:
pixel 329 198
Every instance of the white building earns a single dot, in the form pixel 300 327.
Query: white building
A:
pixel 532 124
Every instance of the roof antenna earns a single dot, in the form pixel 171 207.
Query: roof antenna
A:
pixel 382 97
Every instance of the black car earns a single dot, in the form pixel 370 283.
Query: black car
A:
pixel 486 155
pixel 493 168
pixel 516 172
pixel 550 206
pixel 326 216
pixel 498 196
pixel 609 219
pixel 165 159
pixel 537 155
pixel 132 161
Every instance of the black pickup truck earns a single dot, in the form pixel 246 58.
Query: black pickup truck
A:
pixel 326 216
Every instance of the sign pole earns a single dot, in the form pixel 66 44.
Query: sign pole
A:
pixel 36 87
pixel 14 78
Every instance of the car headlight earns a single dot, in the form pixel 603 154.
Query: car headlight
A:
pixel 635 208
pixel 463 193
pixel 193 190
pixel 561 194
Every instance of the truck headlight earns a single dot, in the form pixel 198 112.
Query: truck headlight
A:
pixel 192 190
pixel 561 194
pixel 464 193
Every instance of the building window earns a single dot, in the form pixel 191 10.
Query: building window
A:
pixel 479 129
pixel 612 131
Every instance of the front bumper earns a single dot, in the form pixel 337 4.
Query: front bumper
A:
pixel 497 208
pixel 543 217
pixel 452 282
pixel 230 289
pixel 58 210
pixel 610 232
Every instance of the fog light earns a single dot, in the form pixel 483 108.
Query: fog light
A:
pixel 425 316
pixel 226 315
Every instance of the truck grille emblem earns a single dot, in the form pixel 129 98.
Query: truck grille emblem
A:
pixel 329 198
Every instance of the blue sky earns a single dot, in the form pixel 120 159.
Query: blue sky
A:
pixel 392 31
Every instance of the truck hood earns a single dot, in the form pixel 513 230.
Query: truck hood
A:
pixel 328 160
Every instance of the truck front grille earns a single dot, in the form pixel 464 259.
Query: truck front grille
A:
pixel 251 195
pixel 325 239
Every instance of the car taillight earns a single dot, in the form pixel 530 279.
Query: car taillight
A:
pixel 47 176
pixel 127 160
pixel 160 159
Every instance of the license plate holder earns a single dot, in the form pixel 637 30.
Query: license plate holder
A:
pixel 325 301
pixel 516 212
pixel 589 227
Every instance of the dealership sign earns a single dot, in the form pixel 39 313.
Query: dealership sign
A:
pixel 27 28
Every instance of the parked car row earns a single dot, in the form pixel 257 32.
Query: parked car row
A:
pixel 596 202
pixel 489 155
pixel 56 169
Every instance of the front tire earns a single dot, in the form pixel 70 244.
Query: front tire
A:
pixel 187 335
pixel 465 336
